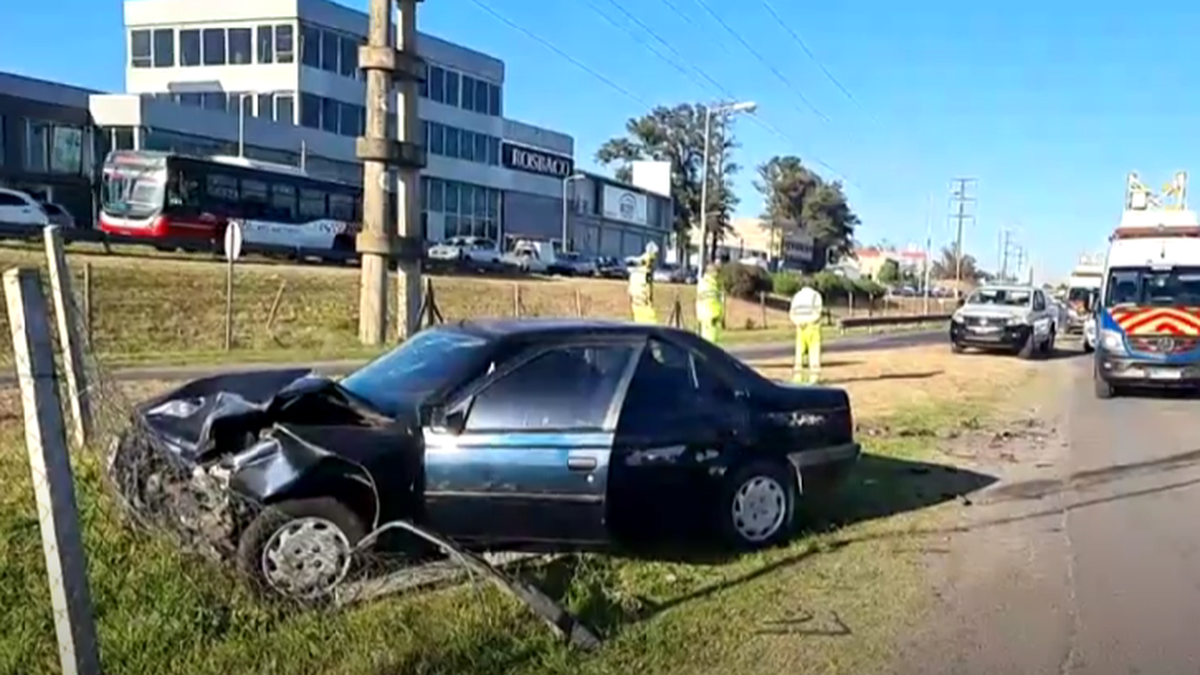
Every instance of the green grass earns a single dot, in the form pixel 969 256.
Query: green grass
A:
pixel 160 611
pixel 153 309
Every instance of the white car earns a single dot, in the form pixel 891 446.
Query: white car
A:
pixel 1089 334
pixel 18 208
pixel 474 250
pixel 577 265
pixel 528 257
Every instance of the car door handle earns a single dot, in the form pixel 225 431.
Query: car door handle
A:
pixel 581 463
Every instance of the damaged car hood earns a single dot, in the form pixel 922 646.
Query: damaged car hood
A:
pixel 212 416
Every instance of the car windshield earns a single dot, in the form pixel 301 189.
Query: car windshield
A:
pixel 424 364
pixel 1176 286
pixel 1005 297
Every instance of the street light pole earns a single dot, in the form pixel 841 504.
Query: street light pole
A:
pixel 565 182
pixel 721 109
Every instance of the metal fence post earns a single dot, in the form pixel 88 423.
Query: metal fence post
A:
pixel 69 338
pixel 50 465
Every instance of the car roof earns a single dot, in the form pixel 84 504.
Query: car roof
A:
pixel 556 327
pixel 1007 287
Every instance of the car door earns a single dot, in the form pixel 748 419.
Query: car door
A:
pixel 524 454
pixel 1043 321
pixel 680 422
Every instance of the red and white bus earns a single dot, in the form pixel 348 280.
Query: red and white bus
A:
pixel 185 202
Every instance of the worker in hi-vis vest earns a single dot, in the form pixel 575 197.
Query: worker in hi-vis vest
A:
pixel 710 301
pixel 641 286
pixel 805 312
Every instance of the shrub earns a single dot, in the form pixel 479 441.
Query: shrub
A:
pixel 787 283
pixel 745 281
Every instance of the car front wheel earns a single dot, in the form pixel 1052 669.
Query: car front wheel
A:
pixel 758 504
pixel 300 549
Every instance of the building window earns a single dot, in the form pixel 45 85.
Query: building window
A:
pixel 265 108
pixel 468 92
pixel 2 146
pixel 423 85
pixel 247 103
pixel 494 100
pixel 452 142
pixel 139 49
pixel 37 146
pixel 493 151
pixel 481 148
pixel 215 100
pixel 330 109
pixel 466 145
pixel 189 47
pixel 266 44
pixel 437 84
pixel 348 125
pixel 437 136
pixel 310 47
pixel 241 51
pixel 329 51
pixel 285 108
pixel 452 88
pixel 191 99
pixel 283 44
pixel 349 63
pixel 164 48
pixel 214 46
pixel 310 111
pixel 481 97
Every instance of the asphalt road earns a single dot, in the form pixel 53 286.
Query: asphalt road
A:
pixel 1086 559
pixel 746 352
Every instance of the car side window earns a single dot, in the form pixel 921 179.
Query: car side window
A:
pixel 670 382
pixel 1039 301
pixel 566 388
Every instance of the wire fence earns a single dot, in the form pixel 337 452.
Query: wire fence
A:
pixel 177 563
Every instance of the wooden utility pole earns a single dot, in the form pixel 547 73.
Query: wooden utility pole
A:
pixel 380 241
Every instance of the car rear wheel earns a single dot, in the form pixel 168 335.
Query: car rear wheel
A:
pixel 758 504
pixel 300 549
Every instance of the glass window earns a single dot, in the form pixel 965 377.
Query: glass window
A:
pixel 437 138
pixel 466 145
pixel 310 46
pixel 349 62
pixel 468 92
pixel 481 148
pixel 437 84
pixel 139 49
pixel 431 360
pixel 451 88
pixel 665 383
pixel 164 48
pixel 451 142
pixel 451 225
pixel 67 153
pixel 285 108
pixel 481 202
pixel 436 186
pixel 192 99
pixel 348 125
pixel 493 205
pixel 283 200
pixel 37 146
pixel 240 46
pixel 466 195
pixel 283 44
pixel 312 203
pixel 214 46
pixel 565 388
pixel 266 43
pixel 494 151
pixel 215 100
pixel 330 49
pixel 423 85
pixel 494 100
pixel 341 207
pixel 265 109
pixel 330 111
pixel 189 47
pixel 451 202
pixel 222 187
pixel 481 97
pixel 254 191
pixel 310 111
pixel 425 193
pixel 2 147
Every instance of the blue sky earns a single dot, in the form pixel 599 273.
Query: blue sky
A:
pixel 1047 104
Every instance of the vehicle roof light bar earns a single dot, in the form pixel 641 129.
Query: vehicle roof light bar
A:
pixel 1156 232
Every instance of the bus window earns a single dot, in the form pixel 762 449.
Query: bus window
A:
pixel 312 203
pixel 341 207
pixel 222 188
pixel 283 201
pixel 254 198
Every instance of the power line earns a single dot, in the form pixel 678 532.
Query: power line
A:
pixel 797 39
pixel 649 47
pixel 780 76
pixel 579 64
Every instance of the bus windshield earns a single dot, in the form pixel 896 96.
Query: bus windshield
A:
pixel 1142 286
pixel 133 192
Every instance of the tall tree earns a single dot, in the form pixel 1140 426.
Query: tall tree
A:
pixel 676 135
pixel 797 197
pixel 945 266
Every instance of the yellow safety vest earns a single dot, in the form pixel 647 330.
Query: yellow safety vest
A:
pixel 641 286
pixel 709 305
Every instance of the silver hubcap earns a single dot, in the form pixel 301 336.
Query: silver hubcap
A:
pixel 306 558
pixel 759 507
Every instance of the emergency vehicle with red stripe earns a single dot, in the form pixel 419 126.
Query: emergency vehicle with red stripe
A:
pixel 1148 318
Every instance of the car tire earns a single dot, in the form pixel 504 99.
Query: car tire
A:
pixel 757 505
pixel 956 347
pixel 1029 349
pixel 1048 348
pixel 321 534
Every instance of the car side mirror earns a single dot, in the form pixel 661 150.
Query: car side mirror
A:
pixel 452 422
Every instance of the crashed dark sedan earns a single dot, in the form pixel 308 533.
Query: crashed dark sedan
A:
pixel 491 433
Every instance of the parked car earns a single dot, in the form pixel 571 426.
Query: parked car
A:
pixel 611 268
pixel 476 251
pixel 576 265
pixel 1005 317
pixel 58 215
pixel 495 434
pixel 538 257
pixel 18 208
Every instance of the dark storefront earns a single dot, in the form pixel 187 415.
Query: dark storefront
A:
pixel 46 143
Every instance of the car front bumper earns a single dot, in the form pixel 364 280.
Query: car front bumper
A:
pixel 989 337
pixel 1142 373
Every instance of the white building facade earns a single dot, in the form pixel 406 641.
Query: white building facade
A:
pixel 278 80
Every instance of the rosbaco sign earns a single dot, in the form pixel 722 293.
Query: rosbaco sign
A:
pixel 521 158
